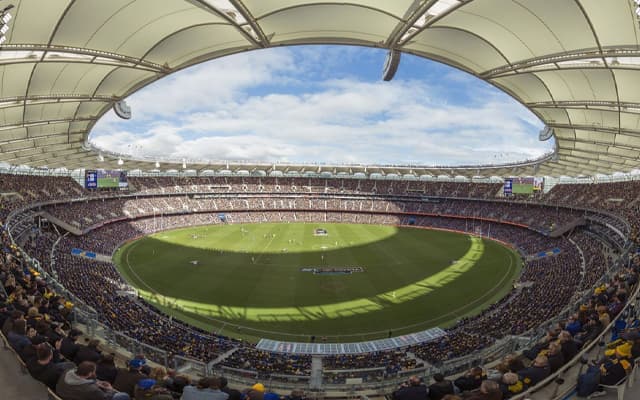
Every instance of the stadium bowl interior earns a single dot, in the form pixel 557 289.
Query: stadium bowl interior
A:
pixel 573 63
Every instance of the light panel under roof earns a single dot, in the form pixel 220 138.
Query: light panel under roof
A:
pixel 225 7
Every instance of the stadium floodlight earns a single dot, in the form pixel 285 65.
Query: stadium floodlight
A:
pixel 3 39
pixel 4 29
pixel 100 157
pixel 545 134
pixel 184 164
pixel 391 64
pixel 157 164
pixel 6 17
pixel 120 162
pixel 638 11
pixel 122 109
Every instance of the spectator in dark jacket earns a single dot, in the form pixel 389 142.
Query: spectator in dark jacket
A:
pixel 106 369
pixel 18 336
pixel 412 390
pixel 538 370
pixel 555 357
pixel 236 395
pixel 81 384
pixel 511 385
pixel 89 352
pixel 69 347
pixel 488 390
pixel 43 369
pixel 569 346
pixel 126 379
pixel 440 387
pixel 471 380
pixel 8 324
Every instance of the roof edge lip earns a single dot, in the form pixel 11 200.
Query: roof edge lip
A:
pixel 178 162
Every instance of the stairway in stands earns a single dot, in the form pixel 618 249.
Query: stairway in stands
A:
pixel 316 372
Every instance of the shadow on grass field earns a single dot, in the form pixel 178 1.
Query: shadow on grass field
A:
pixel 245 285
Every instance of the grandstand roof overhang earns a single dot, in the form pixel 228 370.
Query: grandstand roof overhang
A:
pixel 574 63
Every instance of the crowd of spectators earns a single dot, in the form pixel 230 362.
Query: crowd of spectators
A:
pixel 225 184
pixel 528 305
pixel 339 368
pixel 516 373
pixel 85 214
pixel 36 322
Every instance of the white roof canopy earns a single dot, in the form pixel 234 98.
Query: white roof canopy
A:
pixel 574 63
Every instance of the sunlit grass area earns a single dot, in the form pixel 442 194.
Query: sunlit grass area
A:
pixel 258 280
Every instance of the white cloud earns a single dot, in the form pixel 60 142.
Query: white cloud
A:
pixel 268 107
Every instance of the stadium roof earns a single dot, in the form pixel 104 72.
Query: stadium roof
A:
pixel 574 63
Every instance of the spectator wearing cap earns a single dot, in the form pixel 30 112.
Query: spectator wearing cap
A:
pixel 149 389
pixel 126 379
pixel 206 389
pixel 256 392
pixel 616 366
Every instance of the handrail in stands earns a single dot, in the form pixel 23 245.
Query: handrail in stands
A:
pixel 588 347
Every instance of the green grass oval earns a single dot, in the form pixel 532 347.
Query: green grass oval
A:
pixel 247 281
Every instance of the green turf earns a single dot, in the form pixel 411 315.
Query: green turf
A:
pixel 248 282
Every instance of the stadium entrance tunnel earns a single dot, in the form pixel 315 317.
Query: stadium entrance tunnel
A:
pixel 254 297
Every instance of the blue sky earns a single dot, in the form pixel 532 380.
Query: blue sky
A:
pixel 323 104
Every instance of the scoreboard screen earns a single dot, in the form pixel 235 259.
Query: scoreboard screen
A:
pixel 523 185
pixel 102 179
pixel 91 179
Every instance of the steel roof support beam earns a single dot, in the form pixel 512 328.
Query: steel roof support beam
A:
pixel 264 40
pixel 596 154
pixel 595 129
pixel 403 27
pixel 586 104
pixel 114 58
pixel 43 122
pixel 204 4
pixel 552 59
pixel 23 101
pixel 402 42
